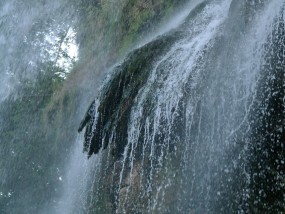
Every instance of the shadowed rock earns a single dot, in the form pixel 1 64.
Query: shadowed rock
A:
pixel 118 95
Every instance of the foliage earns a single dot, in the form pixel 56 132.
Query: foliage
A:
pixel 37 125
pixel 31 150
pixel 114 26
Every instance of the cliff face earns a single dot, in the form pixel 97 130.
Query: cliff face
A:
pixel 191 122
pixel 194 120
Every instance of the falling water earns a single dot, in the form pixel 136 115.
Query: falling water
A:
pixel 190 129
pixel 191 121
pixel 76 182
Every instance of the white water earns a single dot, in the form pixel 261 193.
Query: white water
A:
pixel 211 78
pixel 79 171
pixel 214 80
pixel 184 61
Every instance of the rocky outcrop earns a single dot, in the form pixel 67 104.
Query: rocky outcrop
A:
pixel 118 97
pixel 214 166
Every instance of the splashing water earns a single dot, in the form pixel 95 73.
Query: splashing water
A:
pixel 190 130
pixel 76 182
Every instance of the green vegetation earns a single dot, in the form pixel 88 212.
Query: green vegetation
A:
pixel 32 149
pixel 38 126
pixel 110 28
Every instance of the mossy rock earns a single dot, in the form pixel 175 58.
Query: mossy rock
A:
pixel 119 94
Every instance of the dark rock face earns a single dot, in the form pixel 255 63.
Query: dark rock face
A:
pixel 249 174
pixel 118 96
pixel 267 135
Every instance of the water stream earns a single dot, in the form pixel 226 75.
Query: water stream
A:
pixel 190 121
pixel 190 135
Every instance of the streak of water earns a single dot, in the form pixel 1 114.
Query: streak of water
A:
pixel 76 181
pixel 188 143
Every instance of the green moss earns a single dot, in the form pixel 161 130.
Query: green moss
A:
pixel 109 29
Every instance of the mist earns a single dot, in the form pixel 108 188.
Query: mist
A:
pixel 24 29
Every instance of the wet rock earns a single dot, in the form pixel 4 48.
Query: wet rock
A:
pixel 118 96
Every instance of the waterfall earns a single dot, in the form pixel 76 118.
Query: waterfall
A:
pixel 76 181
pixel 184 122
pixel 189 117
